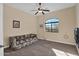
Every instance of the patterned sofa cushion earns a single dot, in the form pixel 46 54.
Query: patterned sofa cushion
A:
pixel 22 40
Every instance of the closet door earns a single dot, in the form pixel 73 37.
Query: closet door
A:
pixel 1 29
pixel 1 51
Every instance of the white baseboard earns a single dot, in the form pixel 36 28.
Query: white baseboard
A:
pixel 63 42
pixel 59 42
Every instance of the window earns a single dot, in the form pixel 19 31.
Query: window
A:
pixel 51 25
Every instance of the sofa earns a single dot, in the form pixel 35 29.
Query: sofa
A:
pixel 21 41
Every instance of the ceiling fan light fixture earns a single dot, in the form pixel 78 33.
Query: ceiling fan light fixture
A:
pixel 40 11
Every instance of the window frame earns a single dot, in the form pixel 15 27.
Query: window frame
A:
pixel 52 29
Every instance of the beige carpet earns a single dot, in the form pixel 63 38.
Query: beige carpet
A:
pixel 45 48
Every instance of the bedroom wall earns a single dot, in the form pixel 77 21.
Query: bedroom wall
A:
pixel 77 14
pixel 67 24
pixel 27 23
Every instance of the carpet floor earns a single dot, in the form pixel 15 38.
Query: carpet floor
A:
pixel 44 48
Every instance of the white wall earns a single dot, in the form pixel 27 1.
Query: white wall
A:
pixel 1 28
pixel 77 14
pixel 67 24
pixel 27 23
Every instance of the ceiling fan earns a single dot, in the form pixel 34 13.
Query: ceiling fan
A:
pixel 40 9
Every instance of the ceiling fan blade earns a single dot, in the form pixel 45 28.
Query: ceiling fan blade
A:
pixel 46 10
pixel 36 13
pixel 43 13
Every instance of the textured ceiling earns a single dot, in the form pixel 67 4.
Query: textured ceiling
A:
pixel 28 7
